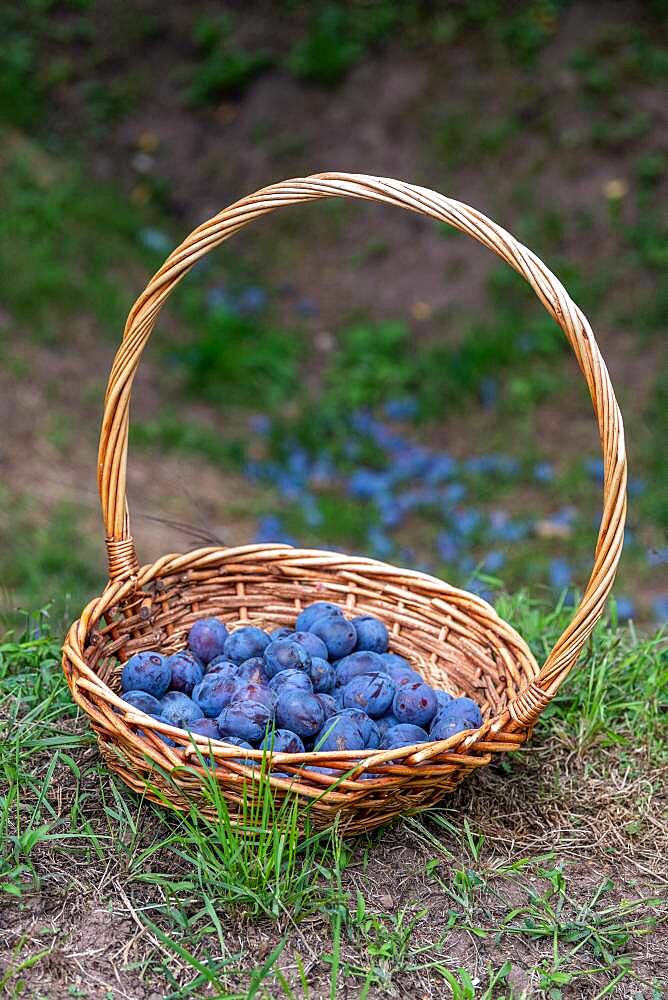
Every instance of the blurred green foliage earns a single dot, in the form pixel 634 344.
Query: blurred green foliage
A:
pixel 77 247
pixel 224 69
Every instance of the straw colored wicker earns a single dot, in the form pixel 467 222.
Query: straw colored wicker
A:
pixel 453 638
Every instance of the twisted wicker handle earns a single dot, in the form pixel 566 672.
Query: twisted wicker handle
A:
pixel 114 434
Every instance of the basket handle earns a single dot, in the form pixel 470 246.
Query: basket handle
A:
pixel 114 434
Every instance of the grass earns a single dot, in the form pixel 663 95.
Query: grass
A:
pixel 463 900
pixel 223 68
pixel 45 554
pixel 60 268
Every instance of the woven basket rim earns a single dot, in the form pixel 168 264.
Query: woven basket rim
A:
pixel 114 593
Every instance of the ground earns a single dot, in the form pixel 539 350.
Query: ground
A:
pixel 544 875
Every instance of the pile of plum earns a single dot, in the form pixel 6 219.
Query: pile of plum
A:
pixel 329 684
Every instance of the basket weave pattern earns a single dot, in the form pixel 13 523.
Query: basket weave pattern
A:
pixel 453 638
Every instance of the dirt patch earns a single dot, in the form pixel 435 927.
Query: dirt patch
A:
pixel 430 901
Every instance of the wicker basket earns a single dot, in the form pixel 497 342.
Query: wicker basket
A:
pixel 453 638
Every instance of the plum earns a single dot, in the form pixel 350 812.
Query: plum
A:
pixel 205 727
pixel 386 722
pixel 338 634
pixel 246 719
pixel 282 741
pixel 399 669
pixel 307 617
pixel 403 677
pixel 322 675
pixel 357 664
pixel 221 665
pixel 372 634
pixel 187 671
pixel 143 701
pixel 366 725
pixel 341 732
pixel 236 741
pixel 373 693
pixel 328 704
pixel 280 633
pixel 442 699
pixel 292 678
pixel 252 671
pixel 403 735
pixel 311 643
pixel 207 638
pixel 299 711
pixel 459 714
pixel 179 709
pixel 214 693
pixel 393 660
pixel 285 654
pixel 255 692
pixel 415 703
pixel 246 642
pixel 147 671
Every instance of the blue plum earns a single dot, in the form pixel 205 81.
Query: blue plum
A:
pixel 311 643
pixel 252 671
pixel 214 693
pixel 246 719
pixel 220 665
pixel 373 693
pixel 307 617
pixel 245 643
pixel 299 712
pixel 143 701
pixel 205 727
pixel 207 638
pixel 366 725
pixel 341 732
pixel 358 664
pixel 394 660
pixel 372 634
pixel 147 671
pixel 459 714
pixel 291 678
pixel 403 735
pixel 386 722
pixel 282 741
pixel 179 709
pixel 255 692
pixel 442 699
pixel 403 677
pixel 236 741
pixel 399 669
pixel 322 675
pixel 187 671
pixel 338 635
pixel 415 704
pixel 280 633
pixel 285 654
pixel 328 704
